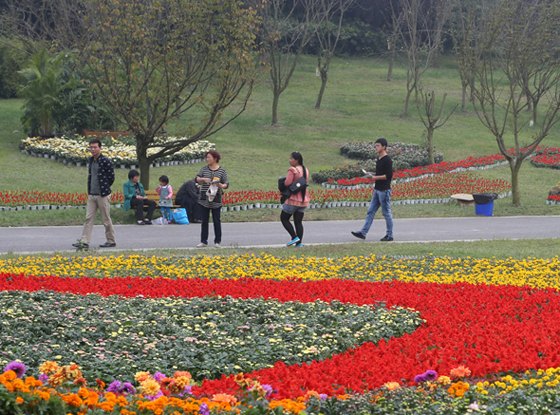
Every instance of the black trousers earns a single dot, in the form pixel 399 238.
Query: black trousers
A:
pixel 139 205
pixel 205 223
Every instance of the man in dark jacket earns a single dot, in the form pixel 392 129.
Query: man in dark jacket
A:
pixel 187 197
pixel 100 178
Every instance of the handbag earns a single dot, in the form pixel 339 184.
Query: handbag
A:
pixel 300 184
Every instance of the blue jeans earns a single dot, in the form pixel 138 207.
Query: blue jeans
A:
pixel 380 198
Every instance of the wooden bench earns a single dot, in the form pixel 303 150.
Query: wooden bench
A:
pixel 153 195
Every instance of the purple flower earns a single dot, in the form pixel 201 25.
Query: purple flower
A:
pixel 430 375
pixel 114 387
pixel 44 378
pixel 203 410
pixel 128 388
pixel 153 398
pixel 419 378
pixel 17 367
pixel 268 390
pixel 323 396
pixel 158 376
pixel 427 375
pixel 188 390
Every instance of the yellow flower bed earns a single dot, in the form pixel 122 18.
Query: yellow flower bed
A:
pixel 533 272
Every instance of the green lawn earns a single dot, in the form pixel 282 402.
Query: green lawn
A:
pixel 359 104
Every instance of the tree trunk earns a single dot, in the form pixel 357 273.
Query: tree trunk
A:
pixel 276 97
pixel 516 197
pixel 143 163
pixel 464 99
pixel 430 132
pixel 406 102
pixel 391 61
pixel 535 112
pixel 324 80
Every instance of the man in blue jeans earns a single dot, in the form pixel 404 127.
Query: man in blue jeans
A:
pixel 382 192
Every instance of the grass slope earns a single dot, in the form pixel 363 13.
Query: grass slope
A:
pixel 359 104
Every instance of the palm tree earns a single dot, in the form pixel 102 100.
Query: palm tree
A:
pixel 41 89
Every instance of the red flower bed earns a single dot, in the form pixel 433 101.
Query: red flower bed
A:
pixel 550 158
pixel 42 197
pixel 490 329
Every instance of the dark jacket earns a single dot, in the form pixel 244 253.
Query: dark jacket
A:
pixel 106 175
pixel 189 190
pixel 129 191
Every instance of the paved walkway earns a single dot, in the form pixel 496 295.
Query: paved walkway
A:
pixel 272 234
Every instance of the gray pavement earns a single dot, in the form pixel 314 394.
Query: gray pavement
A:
pixel 272 234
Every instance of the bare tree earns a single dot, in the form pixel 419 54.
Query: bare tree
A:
pixel 151 61
pixel 392 41
pixel 286 28
pixel 429 118
pixel 420 34
pixel 517 51
pixel 330 13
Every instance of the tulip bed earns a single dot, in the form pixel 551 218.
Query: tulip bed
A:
pixel 488 343
pixel 438 187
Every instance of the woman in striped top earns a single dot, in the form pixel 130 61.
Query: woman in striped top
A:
pixel 211 174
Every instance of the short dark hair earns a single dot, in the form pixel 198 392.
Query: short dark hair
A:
pixel 214 154
pixel 382 141
pixel 164 179
pixel 95 141
pixel 296 155
pixel 133 173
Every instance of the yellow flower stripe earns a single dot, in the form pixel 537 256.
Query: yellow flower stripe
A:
pixel 533 272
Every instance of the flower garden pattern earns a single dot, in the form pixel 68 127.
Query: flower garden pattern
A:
pixel 475 338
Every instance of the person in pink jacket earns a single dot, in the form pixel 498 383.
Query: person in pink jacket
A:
pixel 297 203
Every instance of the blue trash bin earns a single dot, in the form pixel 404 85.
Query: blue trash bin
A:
pixel 484 203
pixel 484 210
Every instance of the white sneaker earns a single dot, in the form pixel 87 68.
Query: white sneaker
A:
pixel 217 246
pixel 201 245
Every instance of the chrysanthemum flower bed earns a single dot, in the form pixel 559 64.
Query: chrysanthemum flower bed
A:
pixel 120 150
pixel 471 353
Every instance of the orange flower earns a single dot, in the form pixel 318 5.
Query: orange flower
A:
pixel 309 394
pixel 19 400
pixel 10 375
pixel 224 397
pixel 57 379
pixel 179 374
pixel 72 399
pixel 392 385
pixel 142 376
pixel 460 372
pixel 48 367
pixel 293 407
pixel 150 387
pixel 18 384
pixel 458 389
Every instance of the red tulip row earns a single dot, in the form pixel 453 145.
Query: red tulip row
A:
pixel 42 197
pixel 427 188
pixel 490 329
pixel 549 158
pixel 439 186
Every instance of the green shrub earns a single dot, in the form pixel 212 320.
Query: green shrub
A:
pixel 12 60
pixel 348 171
